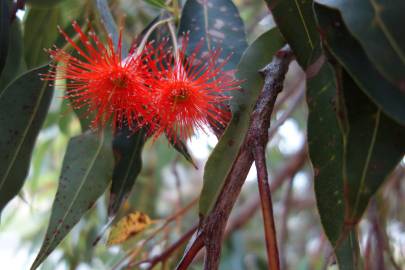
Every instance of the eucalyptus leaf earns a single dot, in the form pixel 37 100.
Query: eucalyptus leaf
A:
pixel 214 24
pixel 127 147
pixel 349 53
pixel 15 58
pixel 23 108
pixel 4 32
pixel 86 174
pixel 376 25
pixel 296 21
pixel 40 32
pixel 325 146
pixel 45 4
pixel 110 25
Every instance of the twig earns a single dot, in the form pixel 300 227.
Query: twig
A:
pixel 287 202
pixel 286 172
pixel 168 252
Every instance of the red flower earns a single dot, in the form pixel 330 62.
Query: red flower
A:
pixel 108 86
pixel 190 93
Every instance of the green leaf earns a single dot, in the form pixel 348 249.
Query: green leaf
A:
pixel 348 253
pixel 296 21
pixel 4 32
pixel 86 174
pixel 218 23
pixel 220 161
pixel 15 60
pixel 181 148
pixel 375 145
pixel 40 32
pixel 351 56
pixel 109 23
pixel 157 3
pixel 353 146
pixel 127 149
pixel 46 4
pixel 23 108
pixel 325 145
pixel 376 25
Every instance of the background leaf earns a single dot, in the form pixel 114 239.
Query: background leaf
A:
pixel 218 24
pixel 351 56
pixel 86 174
pixel 4 32
pixel 325 145
pixel 127 148
pixel 40 32
pixel 44 3
pixel 109 23
pixel 375 25
pixel 296 22
pixel 23 108
pixel 15 59
pixel 259 53
pixel 127 227
pixel 360 146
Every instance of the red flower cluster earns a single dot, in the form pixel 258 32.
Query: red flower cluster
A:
pixel 159 88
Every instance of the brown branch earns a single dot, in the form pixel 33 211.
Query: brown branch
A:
pixel 287 172
pixel 191 252
pixel 287 203
pixel 260 124
pixel 213 226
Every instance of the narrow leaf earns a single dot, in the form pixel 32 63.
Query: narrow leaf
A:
pixel 127 149
pixel 206 22
pixel 40 32
pixel 86 174
pixel 23 108
pixel 325 145
pixel 351 56
pixel 109 23
pixel 296 21
pixel 43 3
pixel 15 59
pixel 375 24
pixel 220 161
pixel 4 32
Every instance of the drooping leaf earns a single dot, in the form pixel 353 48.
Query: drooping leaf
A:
pixel 45 4
pixel 127 227
pixel 181 147
pixel 376 25
pixel 353 147
pixel 375 145
pixel 325 145
pixel 109 23
pixel 4 32
pixel 40 32
pixel 259 53
pixel 217 24
pixel 23 108
pixel 348 252
pixel 15 60
pixel 296 22
pixel 86 174
pixel 157 3
pixel 127 149
pixel 352 57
